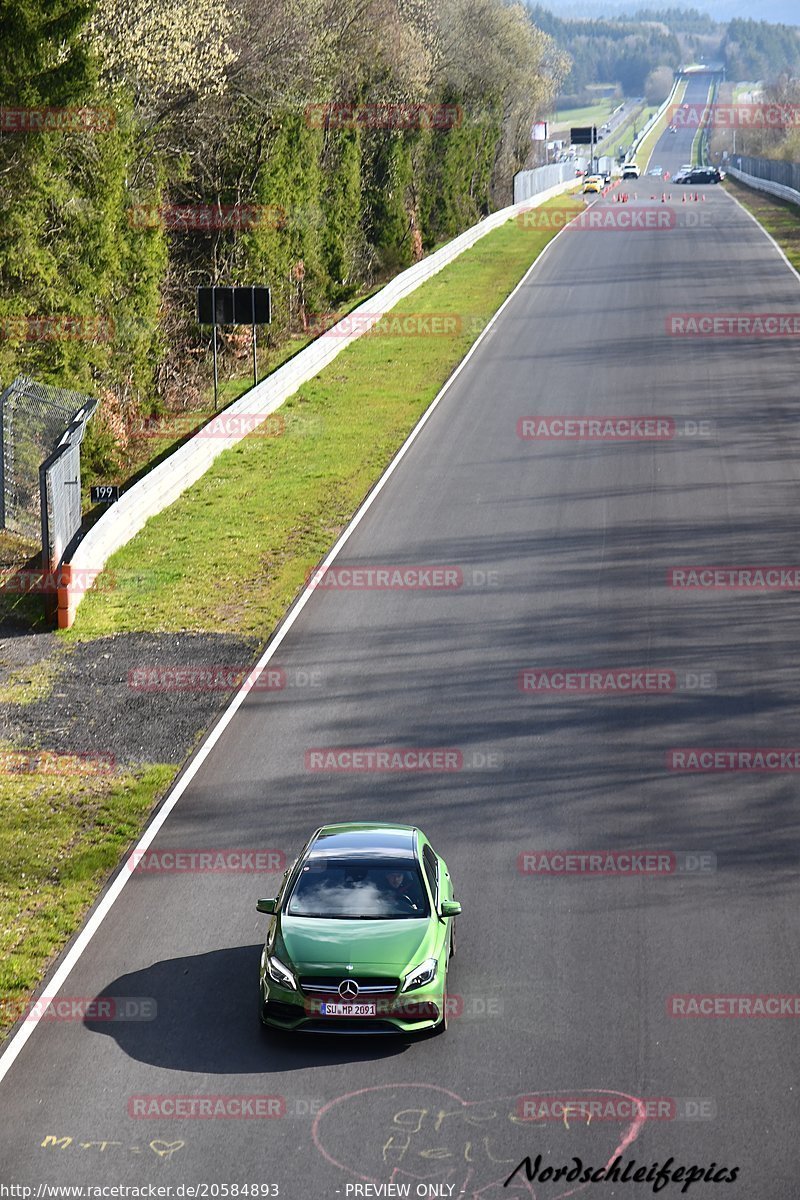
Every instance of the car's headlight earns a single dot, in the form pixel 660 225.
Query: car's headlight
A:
pixel 424 973
pixel 281 973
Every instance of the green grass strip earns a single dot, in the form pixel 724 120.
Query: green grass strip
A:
pixel 61 835
pixel 233 551
pixel 779 217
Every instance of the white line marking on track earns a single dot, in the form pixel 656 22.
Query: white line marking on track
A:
pixel 766 232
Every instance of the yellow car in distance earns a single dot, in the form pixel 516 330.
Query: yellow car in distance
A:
pixel 593 184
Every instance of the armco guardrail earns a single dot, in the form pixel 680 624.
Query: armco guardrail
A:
pixel 764 185
pixel 776 176
pixel 165 483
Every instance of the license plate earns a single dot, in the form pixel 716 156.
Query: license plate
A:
pixel 330 1009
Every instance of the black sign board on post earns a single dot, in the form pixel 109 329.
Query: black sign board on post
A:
pixel 104 493
pixel 583 135
pixel 234 306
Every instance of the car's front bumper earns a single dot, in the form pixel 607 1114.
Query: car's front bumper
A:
pixel 408 1012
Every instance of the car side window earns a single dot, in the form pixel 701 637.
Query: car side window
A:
pixel 431 870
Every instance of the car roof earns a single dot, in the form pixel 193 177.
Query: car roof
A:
pixel 365 839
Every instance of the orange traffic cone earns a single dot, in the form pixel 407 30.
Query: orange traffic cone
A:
pixel 683 198
pixel 663 197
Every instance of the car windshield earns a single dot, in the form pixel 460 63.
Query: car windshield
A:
pixel 359 889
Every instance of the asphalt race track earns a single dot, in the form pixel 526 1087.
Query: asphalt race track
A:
pixel 561 982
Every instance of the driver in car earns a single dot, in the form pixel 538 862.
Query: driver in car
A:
pixel 404 890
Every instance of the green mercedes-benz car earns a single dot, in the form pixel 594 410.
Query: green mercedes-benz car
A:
pixel 361 935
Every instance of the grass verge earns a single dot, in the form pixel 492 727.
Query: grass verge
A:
pixel 779 217
pixel 232 552
pixel 60 837
pixel 591 114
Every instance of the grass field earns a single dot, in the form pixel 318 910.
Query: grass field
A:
pixel 592 114
pixel 60 836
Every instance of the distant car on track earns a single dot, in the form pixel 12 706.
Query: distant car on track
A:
pixel 658 171
pixel 630 170
pixel 699 175
pixel 362 931
pixel 594 183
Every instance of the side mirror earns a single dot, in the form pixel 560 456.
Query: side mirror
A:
pixel 450 908
pixel 266 906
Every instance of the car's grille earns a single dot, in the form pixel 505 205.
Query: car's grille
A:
pixel 368 985
pixel 335 1028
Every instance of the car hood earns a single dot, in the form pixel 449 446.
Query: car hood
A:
pixel 312 942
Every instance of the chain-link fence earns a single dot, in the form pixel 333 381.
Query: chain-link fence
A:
pixel 528 184
pixel 775 170
pixel 41 428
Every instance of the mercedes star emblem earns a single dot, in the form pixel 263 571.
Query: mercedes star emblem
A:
pixel 348 989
